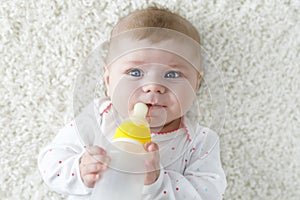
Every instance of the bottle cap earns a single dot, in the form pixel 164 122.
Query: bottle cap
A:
pixel 137 129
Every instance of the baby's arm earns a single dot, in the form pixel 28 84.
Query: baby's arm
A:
pixel 203 177
pixel 59 163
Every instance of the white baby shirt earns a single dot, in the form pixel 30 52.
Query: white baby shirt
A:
pixel 190 158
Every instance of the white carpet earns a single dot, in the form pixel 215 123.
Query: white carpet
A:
pixel 255 44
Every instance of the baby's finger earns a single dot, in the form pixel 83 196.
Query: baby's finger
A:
pixel 150 165
pixel 96 150
pixel 87 159
pixel 105 160
pixel 151 147
pixel 90 179
pixel 92 169
pixel 146 145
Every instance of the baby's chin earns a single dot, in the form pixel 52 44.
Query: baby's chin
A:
pixel 161 126
pixel 155 123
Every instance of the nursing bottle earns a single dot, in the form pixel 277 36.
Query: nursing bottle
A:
pixel 126 174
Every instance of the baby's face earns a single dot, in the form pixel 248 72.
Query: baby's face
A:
pixel 165 82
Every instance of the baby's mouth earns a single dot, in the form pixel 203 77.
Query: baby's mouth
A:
pixel 157 114
pixel 154 106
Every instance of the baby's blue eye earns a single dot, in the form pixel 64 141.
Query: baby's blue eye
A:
pixel 172 74
pixel 135 73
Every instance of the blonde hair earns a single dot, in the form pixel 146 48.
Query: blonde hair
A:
pixel 155 17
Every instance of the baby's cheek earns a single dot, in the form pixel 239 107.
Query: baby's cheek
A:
pixel 185 96
pixel 124 94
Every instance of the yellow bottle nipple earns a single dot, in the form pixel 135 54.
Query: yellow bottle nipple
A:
pixel 136 129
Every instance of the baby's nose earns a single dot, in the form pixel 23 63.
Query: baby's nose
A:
pixel 154 88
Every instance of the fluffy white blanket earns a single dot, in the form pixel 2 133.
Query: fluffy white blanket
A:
pixel 254 44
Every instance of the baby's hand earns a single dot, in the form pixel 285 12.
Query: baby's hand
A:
pixel 152 165
pixel 92 164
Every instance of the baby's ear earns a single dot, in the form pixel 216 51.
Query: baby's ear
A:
pixel 199 79
pixel 106 79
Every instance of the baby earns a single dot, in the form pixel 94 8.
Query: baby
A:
pixel 154 58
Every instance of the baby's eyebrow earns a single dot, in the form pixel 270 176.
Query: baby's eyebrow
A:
pixel 141 62
pixel 135 62
pixel 176 66
pixel 180 66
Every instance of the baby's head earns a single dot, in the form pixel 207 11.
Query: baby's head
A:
pixel 154 57
pixel 155 17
